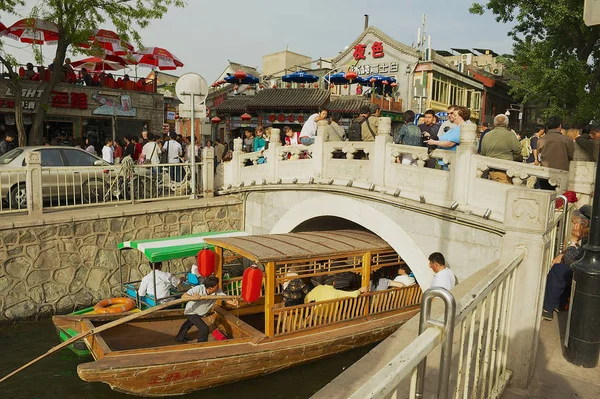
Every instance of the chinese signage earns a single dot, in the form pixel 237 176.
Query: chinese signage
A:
pixel 385 67
pixel 376 51
pixel 62 99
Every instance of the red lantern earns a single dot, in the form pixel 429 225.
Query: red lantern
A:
pixel 272 118
pixel 246 117
pixel 281 118
pixel 260 86
pixel 239 75
pixel 316 85
pixel 288 85
pixel 215 120
pixel 302 85
pixel 394 84
pixel 206 262
pixel 300 118
pixel 291 118
pixel 252 284
pixel 221 82
pixel 350 75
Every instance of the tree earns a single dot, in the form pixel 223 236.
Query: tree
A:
pixel 556 57
pixel 77 21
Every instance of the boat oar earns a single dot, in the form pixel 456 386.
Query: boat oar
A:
pixel 115 323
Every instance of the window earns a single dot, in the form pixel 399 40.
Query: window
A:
pixel 76 157
pixel 51 158
pixel 9 156
pixel 439 91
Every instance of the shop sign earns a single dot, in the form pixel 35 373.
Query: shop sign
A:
pixel 63 99
pixel 111 107
pixel 171 116
pixel 376 51
pixel 386 67
pixel 27 94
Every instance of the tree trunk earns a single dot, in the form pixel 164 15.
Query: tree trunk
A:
pixel 36 134
pixel 18 93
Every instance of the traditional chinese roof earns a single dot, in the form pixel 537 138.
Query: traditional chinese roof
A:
pixel 281 247
pixel 234 105
pixel 346 104
pixel 384 38
pixel 276 99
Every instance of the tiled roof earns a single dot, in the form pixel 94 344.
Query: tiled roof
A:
pixel 276 99
pixel 234 105
pixel 346 104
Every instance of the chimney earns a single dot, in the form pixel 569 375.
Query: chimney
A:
pixel 366 21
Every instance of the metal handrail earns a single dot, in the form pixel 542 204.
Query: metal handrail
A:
pixel 447 336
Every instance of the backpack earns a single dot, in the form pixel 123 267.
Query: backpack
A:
pixel 526 147
pixel 354 132
pixel 164 156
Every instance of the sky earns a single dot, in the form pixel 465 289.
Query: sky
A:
pixel 205 34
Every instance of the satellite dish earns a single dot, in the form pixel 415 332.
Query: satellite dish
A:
pixel 191 83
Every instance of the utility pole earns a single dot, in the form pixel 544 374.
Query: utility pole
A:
pixel 582 339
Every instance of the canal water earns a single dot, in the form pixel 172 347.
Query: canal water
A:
pixel 55 377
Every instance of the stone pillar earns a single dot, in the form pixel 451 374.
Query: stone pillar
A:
pixel 461 168
pixel 318 150
pixel 528 222
pixel 235 164
pixel 33 184
pixel 208 172
pixel 581 180
pixel 378 157
pixel 271 153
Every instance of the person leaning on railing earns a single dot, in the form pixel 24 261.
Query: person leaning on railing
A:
pixel 560 276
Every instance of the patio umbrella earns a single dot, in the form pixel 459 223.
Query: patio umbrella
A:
pixel 3 29
pixel 34 31
pixel 300 77
pixel 246 80
pixel 97 64
pixel 337 78
pixel 376 80
pixel 110 48
pixel 156 57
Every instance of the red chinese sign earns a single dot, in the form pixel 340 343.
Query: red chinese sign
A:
pixel 359 52
pixel 377 50
pixel 174 377
pixel 62 99
pixel 4 103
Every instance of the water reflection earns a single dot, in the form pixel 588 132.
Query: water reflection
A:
pixel 56 375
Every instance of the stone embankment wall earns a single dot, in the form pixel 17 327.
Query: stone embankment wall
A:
pixel 56 267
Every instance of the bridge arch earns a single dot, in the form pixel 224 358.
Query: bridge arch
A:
pixel 369 218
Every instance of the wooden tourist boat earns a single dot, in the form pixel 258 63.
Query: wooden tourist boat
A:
pixel 156 250
pixel 141 357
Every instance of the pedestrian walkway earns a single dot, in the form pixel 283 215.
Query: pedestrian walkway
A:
pixel 554 377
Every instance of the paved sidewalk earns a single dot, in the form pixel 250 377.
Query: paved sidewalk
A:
pixel 554 377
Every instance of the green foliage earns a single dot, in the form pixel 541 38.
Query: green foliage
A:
pixel 556 57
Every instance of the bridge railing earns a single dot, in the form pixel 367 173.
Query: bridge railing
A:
pixel 450 179
pixel 482 325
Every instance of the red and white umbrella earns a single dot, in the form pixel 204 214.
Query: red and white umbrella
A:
pixel 156 57
pixel 97 64
pixel 105 35
pixel 3 29
pixel 110 48
pixel 34 31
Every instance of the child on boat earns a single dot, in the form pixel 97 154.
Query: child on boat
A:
pixel 196 309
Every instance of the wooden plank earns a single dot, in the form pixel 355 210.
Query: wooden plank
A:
pixel 269 298
pixel 366 269
pixel 219 265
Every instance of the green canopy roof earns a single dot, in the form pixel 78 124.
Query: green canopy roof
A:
pixel 162 249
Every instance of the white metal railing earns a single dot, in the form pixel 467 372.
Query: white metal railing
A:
pixel 483 316
pixel 13 194
pixel 99 185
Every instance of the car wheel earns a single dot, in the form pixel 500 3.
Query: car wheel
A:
pixel 94 191
pixel 18 197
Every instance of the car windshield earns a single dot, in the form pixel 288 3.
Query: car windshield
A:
pixel 9 156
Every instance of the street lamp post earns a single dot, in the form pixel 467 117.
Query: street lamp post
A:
pixel 582 340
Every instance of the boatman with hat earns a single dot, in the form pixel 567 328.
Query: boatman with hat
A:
pixel 197 308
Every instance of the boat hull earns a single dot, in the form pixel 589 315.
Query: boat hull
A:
pixel 162 374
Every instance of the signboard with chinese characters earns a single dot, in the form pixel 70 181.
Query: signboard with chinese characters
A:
pixel 382 68
pixel 113 108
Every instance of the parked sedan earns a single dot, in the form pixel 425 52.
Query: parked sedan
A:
pixel 62 181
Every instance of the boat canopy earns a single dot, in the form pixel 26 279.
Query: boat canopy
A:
pixel 314 244
pixel 163 249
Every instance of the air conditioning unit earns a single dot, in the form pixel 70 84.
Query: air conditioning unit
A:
pixel 497 71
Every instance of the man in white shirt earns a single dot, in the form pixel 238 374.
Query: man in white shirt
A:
pixel 443 276
pixel 198 308
pixel 151 151
pixel 108 151
pixel 174 152
pixel 449 124
pixel 164 282
pixel 309 129
pixel 403 279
